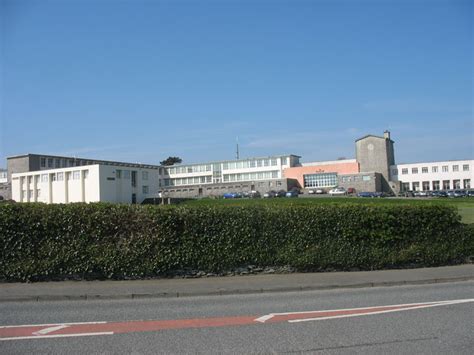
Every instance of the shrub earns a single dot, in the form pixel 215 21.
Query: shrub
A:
pixel 40 242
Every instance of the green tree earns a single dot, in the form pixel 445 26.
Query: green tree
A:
pixel 171 161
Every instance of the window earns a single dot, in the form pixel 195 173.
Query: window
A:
pixel 252 163
pixel 60 176
pixel 320 180
pixel 118 174
pixel 394 172
pixel 57 163
pixel 445 169
pixel 404 171
pixel 457 184
pixel 44 177
pixel 284 161
pixel 273 162
pixel 405 186
pixel 53 177
pixel 266 162
pixel 424 170
pixel 144 175
pixel 50 162
pixel 43 162
pixel 465 167
pixel 38 193
pixel 76 175
pixel 467 183
pixel 85 174
pixel 145 189
pixel 446 185
pixel 126 174
pixel 366 178
pixel 436 185
pixel 416 186
pixel 434 169
pixel 455 167
pixel 426 186
pixel 414 170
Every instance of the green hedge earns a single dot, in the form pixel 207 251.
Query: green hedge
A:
pixel 40 242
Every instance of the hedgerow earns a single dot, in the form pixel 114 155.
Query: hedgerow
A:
pixel 42 242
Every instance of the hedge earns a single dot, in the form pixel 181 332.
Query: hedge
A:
pixel 43 242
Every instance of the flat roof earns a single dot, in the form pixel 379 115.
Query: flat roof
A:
pixel 99 161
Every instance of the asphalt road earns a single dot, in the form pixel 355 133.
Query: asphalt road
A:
pixel 227 324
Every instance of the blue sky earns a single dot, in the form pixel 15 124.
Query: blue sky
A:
pixel 142 80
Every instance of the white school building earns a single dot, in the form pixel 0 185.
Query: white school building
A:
pixel 434 176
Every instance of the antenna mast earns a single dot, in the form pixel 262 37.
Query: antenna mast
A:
pixel 237 156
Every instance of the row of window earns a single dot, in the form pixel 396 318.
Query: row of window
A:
pixel 434 169
pixel 188 181
pixel 320 180
pixel 356 178
pixel 60 176
pixel 62 162
pixel 253 163
pixel 188 169
pixel 252 176
pixel 436 185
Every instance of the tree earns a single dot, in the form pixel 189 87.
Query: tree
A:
pixel 171 161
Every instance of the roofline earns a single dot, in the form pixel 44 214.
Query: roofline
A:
pixel 232 160
pixel 434 162
pixel 373 135
pixel 95 161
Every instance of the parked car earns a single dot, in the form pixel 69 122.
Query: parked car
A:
pixel 338 191
pixel 281 193
pixel 406 194
pixel 316 191
pixel 459 193
pixel 365 194
pixel 269 194
pixel 292 193
pixel 450 193
pixel 351 190
pixel 421 193
pixel 470 193
pixel 228 195
pixel 253 194
pixel 439 194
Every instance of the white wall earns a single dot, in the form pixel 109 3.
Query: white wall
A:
pixel 432 176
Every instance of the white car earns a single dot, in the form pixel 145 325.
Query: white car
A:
pixel 338 191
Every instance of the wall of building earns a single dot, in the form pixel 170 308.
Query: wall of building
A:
pixel 361 182
pixel 347 166
pixel 376 154
pixel 441 175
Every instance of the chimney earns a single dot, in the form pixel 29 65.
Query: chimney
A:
pixel 386 134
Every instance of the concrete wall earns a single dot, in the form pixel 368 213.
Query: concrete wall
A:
pixel 362 182
pixel 217 190
pixel 340 167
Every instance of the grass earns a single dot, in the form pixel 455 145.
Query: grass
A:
pixel 465 206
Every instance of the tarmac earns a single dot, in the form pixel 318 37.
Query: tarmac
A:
pixel 229 285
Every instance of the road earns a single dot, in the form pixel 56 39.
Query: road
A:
pixel 405 319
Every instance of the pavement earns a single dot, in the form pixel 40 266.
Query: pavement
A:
pixel 228 285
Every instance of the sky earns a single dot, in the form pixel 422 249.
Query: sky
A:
pixel 141 80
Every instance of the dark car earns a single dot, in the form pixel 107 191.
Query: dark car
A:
pixel 439 194
pixel 470 193
pixel 281 193
pixel 366 194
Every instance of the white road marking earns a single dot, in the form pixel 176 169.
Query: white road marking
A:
pixel 48 325
pixel 50 329
pixel 408 306
pixel 56 336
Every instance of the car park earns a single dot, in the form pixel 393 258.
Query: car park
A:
pixel 338 191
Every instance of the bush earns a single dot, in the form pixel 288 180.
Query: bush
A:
pixel 40 242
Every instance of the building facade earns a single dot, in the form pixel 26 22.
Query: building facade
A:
pixel 434 176
pixel 87 183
